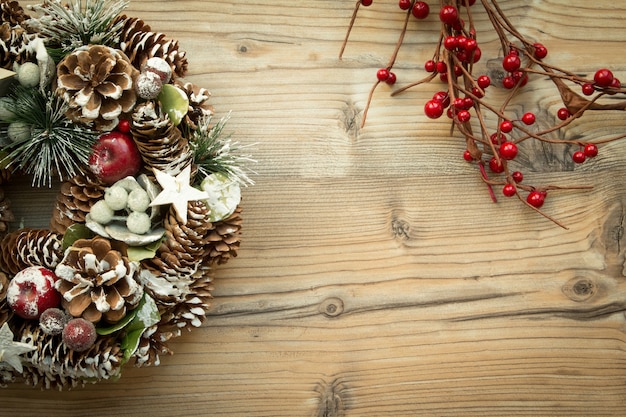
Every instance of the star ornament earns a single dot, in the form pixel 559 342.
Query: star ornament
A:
pixel 10 351
pixel 177 191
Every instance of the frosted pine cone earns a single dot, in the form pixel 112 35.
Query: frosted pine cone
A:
pixel 30 247
pixel 11 12
pixel 98 84
pixel 74 201
pixel 14 45
pixel 199 108
pixel 224 239
pixel 97 281
pixel 140 44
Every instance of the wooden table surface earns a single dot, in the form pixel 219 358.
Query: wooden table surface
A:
pixel 376 277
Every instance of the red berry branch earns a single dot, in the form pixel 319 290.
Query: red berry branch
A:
pixel 493 145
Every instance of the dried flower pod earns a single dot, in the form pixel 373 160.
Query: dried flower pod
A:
pixel 97 281
pixel 98 84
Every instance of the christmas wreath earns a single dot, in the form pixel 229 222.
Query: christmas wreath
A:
pixel 149 198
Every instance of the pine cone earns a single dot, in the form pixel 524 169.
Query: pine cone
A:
pixel 98 84
pixel 14 45
pixel 160 143
pixel 225 238
pixel 97 280
pixel 6 215
pixel 5 310
pixel 199 107
pixel 140 44
pixel 11 12
pixel 30 247
pixel 54 365
pixel 74 200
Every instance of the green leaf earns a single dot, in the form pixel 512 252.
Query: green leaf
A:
pixel 147 314
pixel 119 325
pixel 130 343
pixel 75 232
pixel 139 253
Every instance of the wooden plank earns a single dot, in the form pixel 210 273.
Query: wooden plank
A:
pixel 375 277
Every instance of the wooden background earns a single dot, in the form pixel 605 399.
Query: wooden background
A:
pixel 376 278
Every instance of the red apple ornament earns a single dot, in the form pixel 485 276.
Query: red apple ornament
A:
pixel 115 156
pixel 31 292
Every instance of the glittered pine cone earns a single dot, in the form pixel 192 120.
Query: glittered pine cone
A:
pixel 30 247
pixel 160 143
pixel 199 107
pixel 97 280
pixel 140 44
pixel 74 200
pixel 98 84
pixel 224 240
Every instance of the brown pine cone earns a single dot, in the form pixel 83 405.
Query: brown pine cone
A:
pixel 161 144
pixel 224 239
pixel 140 44
pixel 30 247
pixel 74 200
pixel 97 281
pixel 11 12
pixel 14 45
pixel 199 107
pixel 98 84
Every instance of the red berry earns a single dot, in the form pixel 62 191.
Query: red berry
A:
pixel 588 89
pixel 468 3
pixel 468 156
pixel 528 118
pixel 475 55
pixel 420 10
pixel 496 166
pixel 509 190
pixel 470 45
pixel 517 176
pixel 616 83
pixel 540 51
pixel 433 109
pixel 404 4
pixel 461 42
pixel 468 103
pixel 511 63
pixel 508 150
pixel 579 157
pixel 603 77
pixel 430 66
pixel 382 74
pixel 496 140
pixel 508 82
pixel 536 198
pixel 463 116
pixel 450 43
pixel 449 15
pixel 52 321
pixel 478 92
pixel 442 67
pixel 506 126
pixel 443 97
pixel 459 103
pixel 443 77
pixel 366 2
pixel 563 113
pixel 591 150
pixel 123 126
pixel 483 81
pixel 79 334
pixel 391 79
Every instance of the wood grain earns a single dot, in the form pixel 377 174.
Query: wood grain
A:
pixel 376 278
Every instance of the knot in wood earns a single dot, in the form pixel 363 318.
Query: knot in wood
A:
pixel 331 307
pixel 400 228
pixel 580 289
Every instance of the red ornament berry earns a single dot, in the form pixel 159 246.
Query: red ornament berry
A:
pixel 478 92
pixel 591 150
pixel 430 66
pixel 433 109
pixel 79 334
pixel 508 150
pixel 483 81
pixel 506 126
pixel 517 176
pixel 509 190
pixel 508 82
pixel 420 10
pixel 443 97
pixel 463 116
pixel 528 118
pixel 123 126
pixel 588 89
pixel 470 45
pixel 498 139
pixel 366 2
pixel 391 79
pixel 579 157
pixel 496 165
pixel 563 113
pixel 540 51
pixel 404 4
pixel 382 74
pixel 536 198
pixel 450 43
pixel 468 156
pixel 449 15
pixel 603 77
pixel 442 67
pixel 511 63
pixel 52 321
